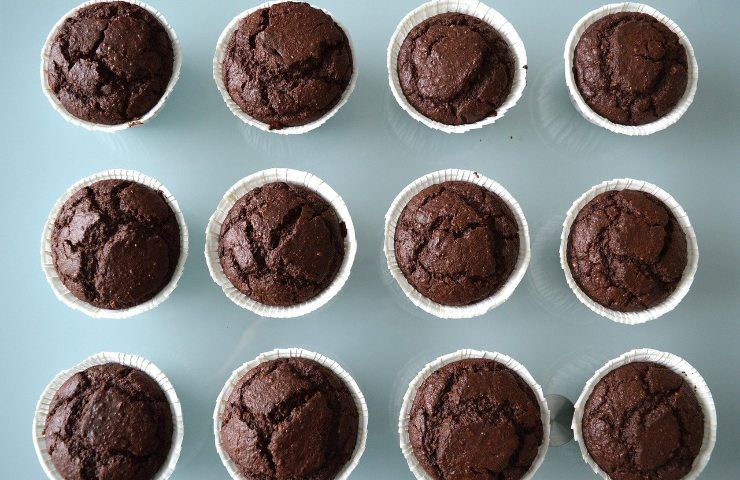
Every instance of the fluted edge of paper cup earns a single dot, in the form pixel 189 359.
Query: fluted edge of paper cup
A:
pixel 236 192
pixel 692 247
pixel 473 8
pixel 586 112
pixel 426 304
pixel 99 127
pixel 332 365
pixel 135 361
pixel 47 264
pixel 678 365
pixel 465 354
pixel 218 57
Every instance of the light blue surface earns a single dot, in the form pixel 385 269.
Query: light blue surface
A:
pixel 542 151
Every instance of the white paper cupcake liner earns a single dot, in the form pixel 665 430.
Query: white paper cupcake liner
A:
pixel 357 396
pixel 692 261
pixel 244 186
pixel 469 7
pixel 176 64
pixel 465 354
pixel 575 96
pixel 222 44
pixel 47 264
pixel 430 306
pixel 42 409
pixel 678 365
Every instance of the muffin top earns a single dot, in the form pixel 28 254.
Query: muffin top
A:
pixel 281 244
pixel 115 244
pixel 290 418
pixel 630 68
pixel 110 62
pixel 456 242
pixel 475 419
pixel 642 420
pixel 626 250
pixel 287 65
pixel 455 69
pixel 109 421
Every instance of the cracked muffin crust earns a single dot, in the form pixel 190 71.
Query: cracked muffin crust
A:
pixel 290 418
pixel 110 63
pixel 630 68
pixel 475 419
pixel 626 250
pixel 281 244
pixel 643 420
pixel 455 68
pixel 109 421
pixel 456 242
pixel 115 244
pixel 287 65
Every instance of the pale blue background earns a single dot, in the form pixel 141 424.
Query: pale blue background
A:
pixel 543 152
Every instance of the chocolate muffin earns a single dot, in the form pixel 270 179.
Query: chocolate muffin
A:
pixel 110 63
pixel 475 419
pixel 290 418
pixel 456 242
pixel 643 420
pixel 626 250
pixel 287 65
pixel 115 244
pixel 281 244
pixel 455 69
pixel 109 421
pixel 630 68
